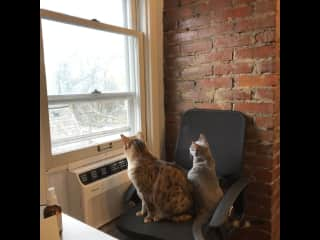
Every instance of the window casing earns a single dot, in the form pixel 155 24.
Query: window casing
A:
pixel 74 103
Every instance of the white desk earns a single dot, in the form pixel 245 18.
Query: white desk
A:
pixel 73 229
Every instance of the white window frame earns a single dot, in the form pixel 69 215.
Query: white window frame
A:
pixel 147 17
pixel 76 155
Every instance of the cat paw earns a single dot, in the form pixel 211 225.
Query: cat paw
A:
pixel 156 219
pixel 139 213
pixel 236 223
pixel 147 220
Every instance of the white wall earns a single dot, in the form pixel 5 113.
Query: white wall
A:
pixel 42 181
pixel 43 178
pixel 59 181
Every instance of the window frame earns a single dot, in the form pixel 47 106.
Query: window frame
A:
pixel 87 152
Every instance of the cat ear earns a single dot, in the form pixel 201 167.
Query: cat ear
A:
pixel 124 139
pixel 194 145
pixel 140 136
pixel 203 139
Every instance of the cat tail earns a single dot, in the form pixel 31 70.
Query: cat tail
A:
pixel 198 222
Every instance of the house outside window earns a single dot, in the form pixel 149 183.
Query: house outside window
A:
pixel 92 74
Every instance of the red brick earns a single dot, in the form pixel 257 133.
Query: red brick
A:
pixel 278 21
pixel 259 161
pixel 233 41
pixel 192 94
pixel 216 29
pixel 242 68
pixel 259 199
pixel 196 72
pixel 194 22
pixel 260 135
pixel 266 36
pixel 264 122
pixel 277 65
pixel 172 73
pixel 224 106
pixel 264 149
pixel 255 23
pixel 179 107
pixel 256 81
pixel 185 2
pixel 169 23
pixel 264 225
pixel 276 173
pixel 180 85
pixel 260 188
pixel 232 95
pixel 224 55
pixel 184 12
pixel 173 131
pixel 265 6
pixel 172 96
pixel 179 13
pixel 196 47
pixel 219 82
pixel 276 148
pixel 182 36
pixel 254 209
pixel 266 136
pixel 173 119
pixel 180 61
pixel 172 51
pixel 254 107
pixel 238 2
pixel 257 52
pixel 219 4
pixel 201 9
pixel 237 12
pixel 264 94
pixel 170 4
pixel 267 67
pixel 276 159
pixel 223 69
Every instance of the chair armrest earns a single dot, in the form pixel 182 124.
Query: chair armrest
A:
pixel 220 214
pixel 130 194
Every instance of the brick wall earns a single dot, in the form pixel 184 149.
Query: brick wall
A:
pixel 224 54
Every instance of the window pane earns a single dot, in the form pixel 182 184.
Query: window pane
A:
pixel 82 124
pixel 112 12
pixel 79 60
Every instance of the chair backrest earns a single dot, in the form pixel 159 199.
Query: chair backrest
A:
pixel 225 133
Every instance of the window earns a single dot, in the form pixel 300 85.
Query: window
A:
pixel 93 73
pixel 114 12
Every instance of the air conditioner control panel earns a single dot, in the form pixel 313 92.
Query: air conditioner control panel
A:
pixel 103 171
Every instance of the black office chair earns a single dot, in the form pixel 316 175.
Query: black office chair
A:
pixel 225 132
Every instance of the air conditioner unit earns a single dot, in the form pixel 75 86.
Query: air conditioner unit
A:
pixel 95 191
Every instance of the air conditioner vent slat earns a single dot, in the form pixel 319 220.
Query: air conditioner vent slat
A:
pixel 103 171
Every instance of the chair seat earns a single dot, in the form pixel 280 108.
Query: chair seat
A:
pixel 134 227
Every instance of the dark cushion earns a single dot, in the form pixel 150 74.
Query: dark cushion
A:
pixel 133 226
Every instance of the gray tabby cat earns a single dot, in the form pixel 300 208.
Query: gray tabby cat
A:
pixel 207 191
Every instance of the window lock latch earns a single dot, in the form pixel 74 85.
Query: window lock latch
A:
pixel 96 92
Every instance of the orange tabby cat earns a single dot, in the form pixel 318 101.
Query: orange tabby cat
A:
pixel 162 187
